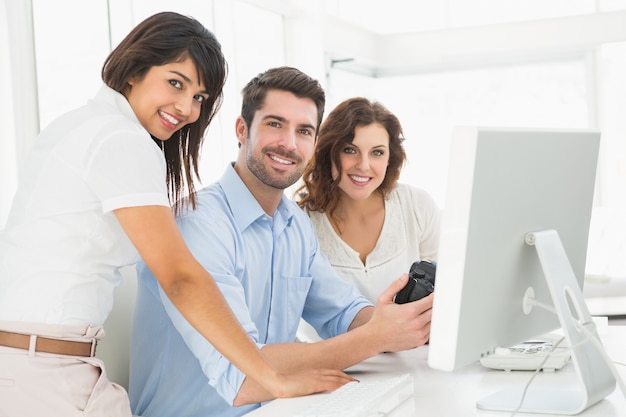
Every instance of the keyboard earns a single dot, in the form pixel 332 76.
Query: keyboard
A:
pixel 362 399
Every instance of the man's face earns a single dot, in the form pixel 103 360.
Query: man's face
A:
pixel 281 139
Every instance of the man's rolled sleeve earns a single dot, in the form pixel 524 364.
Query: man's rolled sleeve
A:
pixel 218 260
pixel 331 316
pixel 221 373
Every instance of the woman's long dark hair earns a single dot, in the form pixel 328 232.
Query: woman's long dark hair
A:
pixel 161 39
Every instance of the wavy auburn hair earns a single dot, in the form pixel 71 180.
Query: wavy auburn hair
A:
pixel 319 191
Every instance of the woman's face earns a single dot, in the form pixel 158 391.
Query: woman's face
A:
pixel 363 162
pixel 167 98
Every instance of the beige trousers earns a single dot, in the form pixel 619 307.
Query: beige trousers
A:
pixel 34 384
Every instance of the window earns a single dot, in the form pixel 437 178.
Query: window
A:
pixel 548 94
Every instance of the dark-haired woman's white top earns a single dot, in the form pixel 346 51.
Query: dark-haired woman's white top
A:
pixel 62 246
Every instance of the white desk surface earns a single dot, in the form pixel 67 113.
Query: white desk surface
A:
pixel 446 394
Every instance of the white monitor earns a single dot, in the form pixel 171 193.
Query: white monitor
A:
pixel 512 255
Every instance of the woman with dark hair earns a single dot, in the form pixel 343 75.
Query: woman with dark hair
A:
pixel 95 194
pixel 371 227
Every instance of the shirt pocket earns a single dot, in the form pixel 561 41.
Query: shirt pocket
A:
pixel 292 302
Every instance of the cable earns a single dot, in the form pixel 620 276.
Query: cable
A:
pixel 596 343
pixel 589 336
pixel 535 373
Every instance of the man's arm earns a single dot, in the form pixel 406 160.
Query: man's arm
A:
pixel 193 291
pixel 388 327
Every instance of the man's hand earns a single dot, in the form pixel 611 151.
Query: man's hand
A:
pixel 401 326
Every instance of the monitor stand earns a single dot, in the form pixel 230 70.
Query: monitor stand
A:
pixel 594 374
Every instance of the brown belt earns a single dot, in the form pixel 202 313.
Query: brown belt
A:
pixel 47 345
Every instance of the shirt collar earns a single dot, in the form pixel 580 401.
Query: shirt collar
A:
pixel 116 99
pixel 246 210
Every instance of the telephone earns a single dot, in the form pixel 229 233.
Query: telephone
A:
pixel 529 355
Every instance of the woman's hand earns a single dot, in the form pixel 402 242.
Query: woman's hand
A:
pixel 305 382
pixel 296 384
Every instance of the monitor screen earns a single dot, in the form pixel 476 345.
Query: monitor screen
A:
pixel 504 186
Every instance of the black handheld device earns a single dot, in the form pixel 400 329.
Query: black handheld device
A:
pixel 421 282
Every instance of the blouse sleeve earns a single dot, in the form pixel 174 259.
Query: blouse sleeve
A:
pixel 127 169
pixel 428 217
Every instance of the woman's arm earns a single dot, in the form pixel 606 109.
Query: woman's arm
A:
pixel 154 232
pixel 388 327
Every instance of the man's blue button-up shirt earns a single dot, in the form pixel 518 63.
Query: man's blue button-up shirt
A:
pixel 271 272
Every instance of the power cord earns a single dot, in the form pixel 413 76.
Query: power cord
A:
pixel 596 343
pixel 589 336
pixel 535 373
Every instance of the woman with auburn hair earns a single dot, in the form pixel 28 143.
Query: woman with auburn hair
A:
pixel 371 227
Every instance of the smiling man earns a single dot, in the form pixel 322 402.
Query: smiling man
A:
pixel 261 250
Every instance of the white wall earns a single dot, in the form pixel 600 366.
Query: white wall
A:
pixel 8 155
pixel 18 108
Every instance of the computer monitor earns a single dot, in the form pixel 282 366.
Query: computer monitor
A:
pixel 512 256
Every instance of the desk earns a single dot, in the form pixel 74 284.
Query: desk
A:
pixel 446 394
